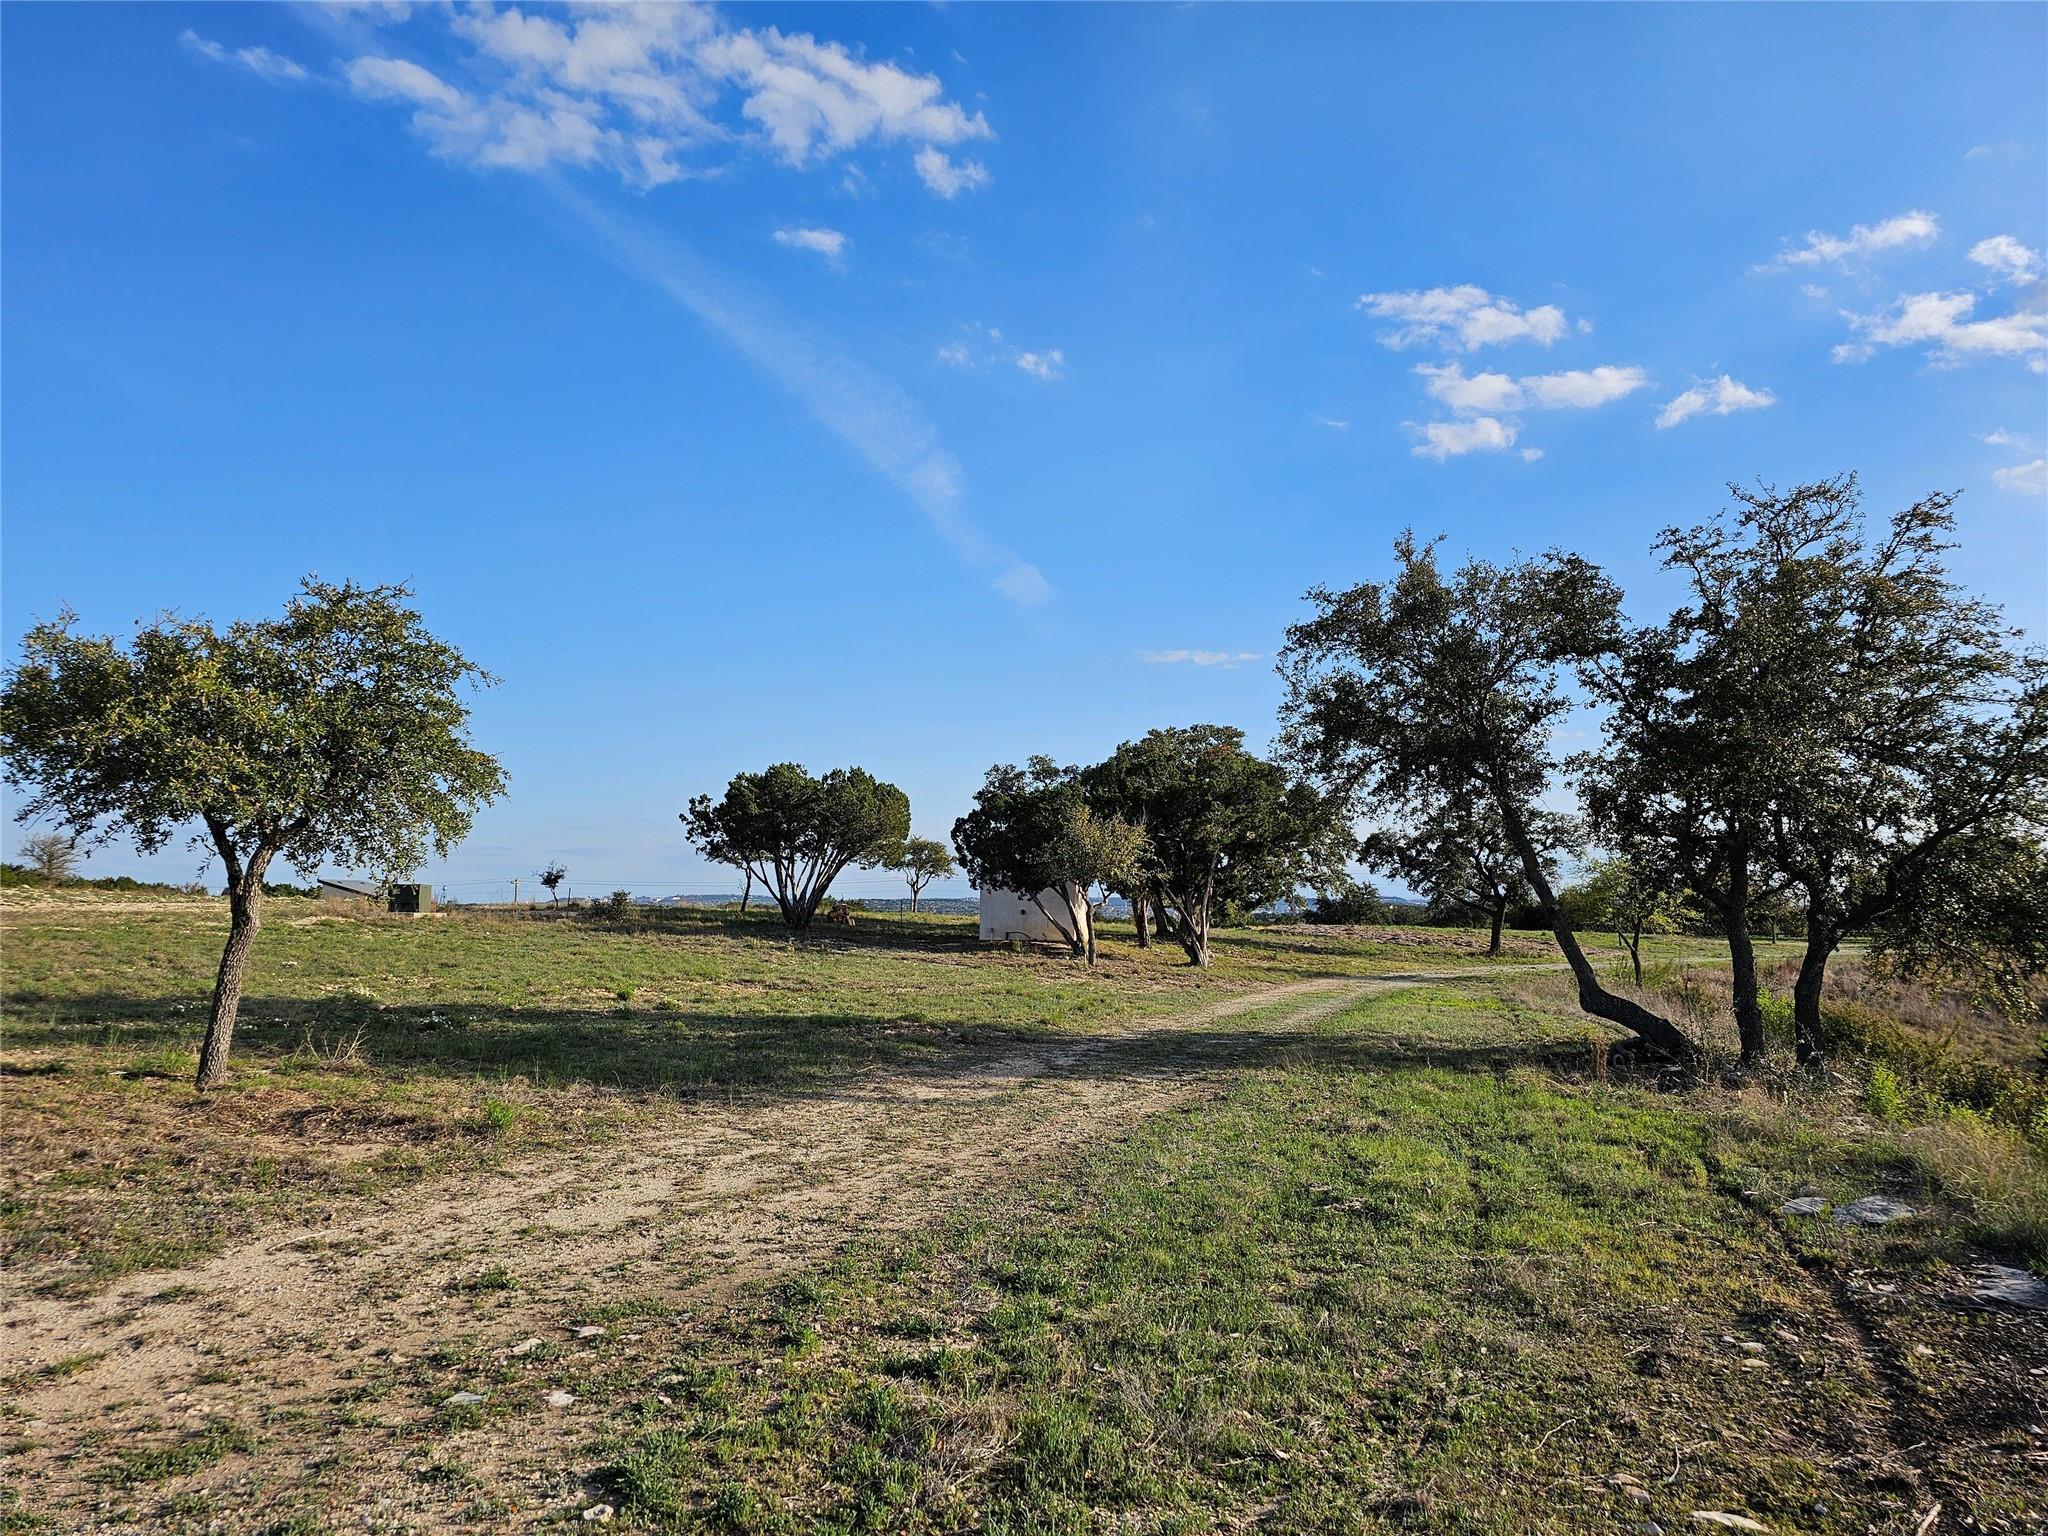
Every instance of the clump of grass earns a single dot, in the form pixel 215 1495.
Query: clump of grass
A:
pixel 155 1464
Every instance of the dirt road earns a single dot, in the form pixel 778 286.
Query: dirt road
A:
pixel 271 1343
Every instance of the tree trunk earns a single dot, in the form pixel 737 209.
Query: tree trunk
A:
pixel 1808 1038
pixel 1138 920
pixel 747 894
pixel 1654 1030
pixel 1634 940
pixel 1500 914
pixel 245 902
pixel 1749 1013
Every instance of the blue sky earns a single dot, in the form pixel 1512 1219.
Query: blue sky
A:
pixel 920 387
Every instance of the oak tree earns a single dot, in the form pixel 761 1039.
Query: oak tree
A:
pixel 336 732
pixel 797 833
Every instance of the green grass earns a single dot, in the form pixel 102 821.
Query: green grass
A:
pixel 1424 1276
pixel 377 1049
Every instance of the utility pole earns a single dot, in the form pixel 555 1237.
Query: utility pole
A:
pixel 515 891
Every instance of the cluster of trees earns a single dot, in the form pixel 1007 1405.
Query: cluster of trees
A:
pixel 1827 722
pixel 1183 823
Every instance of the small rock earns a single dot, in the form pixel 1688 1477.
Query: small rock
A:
pixel 599 1513
pixel 524 1347
pixel 1996 1284
pixel 560 1399
pixel 1649 1528
pixel 1732 1522
pixel 1631 1491
pixel 462 1399
pixel 1805 1205
pixel 592 1331
pixel 1749 1346
pixel 1872 1211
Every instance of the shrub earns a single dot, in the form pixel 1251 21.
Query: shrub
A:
pixel 1883 1095
pixel 617 905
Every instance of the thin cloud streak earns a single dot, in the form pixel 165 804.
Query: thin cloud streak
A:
pixel 862 408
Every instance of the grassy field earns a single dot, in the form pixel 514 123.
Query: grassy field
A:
pixel 1278 1246
pixel 375 1049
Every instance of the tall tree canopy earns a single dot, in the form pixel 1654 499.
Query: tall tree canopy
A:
pixel 1906 777
pixel 796 834
pixel 1419 693
pixel 1223 828
pixel 335 733
pixel 1699 709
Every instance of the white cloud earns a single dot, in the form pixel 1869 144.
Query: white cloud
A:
pixel 2029 479
pixel 1466 316
pixel 828 243
pixel 1578 388
pixel 1443 440
pixel 1943 324
pixel 949 177
pixel 1224 659
pixel 638 89
pixel 1717 397
pixel 1024 584
pixel 2000 438
pixel 1335 424
pixel 984 346
pixel 2008 260
pixel 1047 365
pixel 256 59
pixel 1531 455
pixel 1914 227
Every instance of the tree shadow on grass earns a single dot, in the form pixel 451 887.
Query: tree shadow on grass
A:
pixel 687 1052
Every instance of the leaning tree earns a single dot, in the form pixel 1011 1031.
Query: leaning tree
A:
pixel 1419 693
pixel 1907 776
pixel 796 833
pixel 334 733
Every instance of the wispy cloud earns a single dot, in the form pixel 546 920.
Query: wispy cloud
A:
pixel 828 243
pixel 1945 324
pixel 1716 397
pixel 1225 659
pixel 1047 365
pixel 1465 317
pixel 1912 228
pixel 949 177
pixel 867 411
pixel 1334 423
pixel 655 93
pixel 2008 259
pixel 1999 437
pixel 2028 479
pixel 257 60
pixel 984 346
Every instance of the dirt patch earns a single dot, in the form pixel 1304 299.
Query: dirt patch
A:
pixel 285 1339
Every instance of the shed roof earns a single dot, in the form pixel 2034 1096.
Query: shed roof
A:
pixel 354 887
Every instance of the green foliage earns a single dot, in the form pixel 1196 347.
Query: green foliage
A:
pixel 1460 856
pixel 1882 1093
pixel 920 861
pixel 332 733
pixel 614 907
pixel 1033 831
pixel 335 732
pixel 796 834
pixel 1348 902
pixel 1223 828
